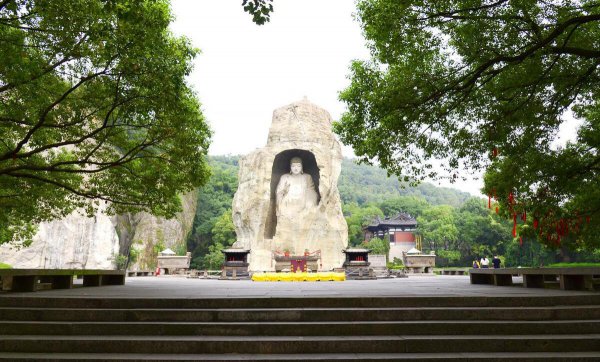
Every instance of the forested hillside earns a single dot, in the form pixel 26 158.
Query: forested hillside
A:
pixel 457 226
pixel 213 215
pixel 366 184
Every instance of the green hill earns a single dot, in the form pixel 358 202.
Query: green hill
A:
pixel 365 184
pixel 359 185
pixel 455 225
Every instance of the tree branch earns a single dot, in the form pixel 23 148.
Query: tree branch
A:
pixel 45 71
pixel 458 11
pixel 4 3
pixel 473 76
pixel 585 53
pixel 77 192
pixel 42 118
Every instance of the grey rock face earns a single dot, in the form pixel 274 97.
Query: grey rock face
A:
pixel 74 242
pixel 79 242
pixel 149 233
pixel 303 130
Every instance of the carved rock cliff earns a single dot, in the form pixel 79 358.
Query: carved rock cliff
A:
pixel 303 130
pixel 77 241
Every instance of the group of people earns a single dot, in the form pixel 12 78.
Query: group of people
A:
pixel 485 262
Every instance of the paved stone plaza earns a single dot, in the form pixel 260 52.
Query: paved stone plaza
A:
pixel 181 287
pixel 419 318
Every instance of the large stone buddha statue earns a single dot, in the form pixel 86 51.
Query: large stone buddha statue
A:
pixel 277 206
pixel 295 191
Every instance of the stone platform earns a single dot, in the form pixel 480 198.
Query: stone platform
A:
pixel 168 286
pixel 422 318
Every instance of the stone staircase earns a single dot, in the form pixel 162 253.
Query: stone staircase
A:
pixel 557 328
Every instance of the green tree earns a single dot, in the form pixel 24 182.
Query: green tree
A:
pixel 223 236
pixel 378 246
pixel 485 85
pixel 448 257
pixel 95 109
pixel 480 231
pixel 224 231
pixel 358 217
pixel 437 226
pixel 214 199
pixel 259 9
pixel 529 253
pixel 214 258
pixel 410 204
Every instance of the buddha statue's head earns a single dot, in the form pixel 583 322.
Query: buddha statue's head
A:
pixel 296 166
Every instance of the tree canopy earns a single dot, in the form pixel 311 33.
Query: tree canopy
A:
pixel 95 110
pixel 259 9
pixel 214 201
pixel 486 85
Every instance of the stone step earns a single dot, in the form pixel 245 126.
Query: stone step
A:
pixel 356 357
pixel 302 314
pixel 305 302
pixel 297 344
pixel 331 328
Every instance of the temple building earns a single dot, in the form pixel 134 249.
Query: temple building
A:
pixel 401 230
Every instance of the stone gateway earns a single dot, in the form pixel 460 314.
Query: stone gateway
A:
pixel 287 199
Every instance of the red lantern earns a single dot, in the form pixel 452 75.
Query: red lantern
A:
pixel 514 231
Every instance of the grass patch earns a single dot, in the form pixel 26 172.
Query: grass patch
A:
pixel 573 265
pixel 5 266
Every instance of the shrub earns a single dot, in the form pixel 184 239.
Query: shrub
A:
pixel 120 261
pixel 395 264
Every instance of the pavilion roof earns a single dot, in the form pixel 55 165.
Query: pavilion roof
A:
pixel 400 219
pixel 236 250
pixel 356 250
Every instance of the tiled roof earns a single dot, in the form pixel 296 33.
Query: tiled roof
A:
pixel 356 250
pixel 401 219
pixel 237 251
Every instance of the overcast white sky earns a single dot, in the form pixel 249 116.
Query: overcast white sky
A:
pixel 245 71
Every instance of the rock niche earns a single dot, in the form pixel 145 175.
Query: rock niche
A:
pixel 279 209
